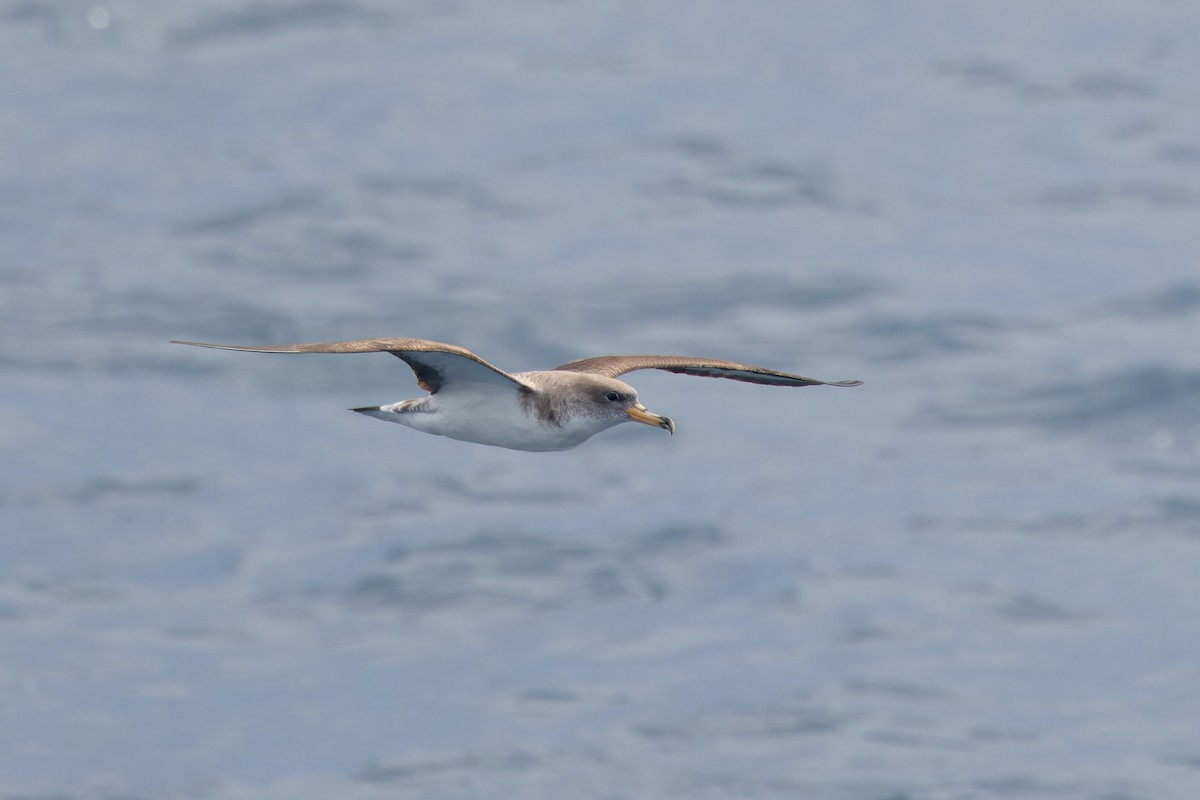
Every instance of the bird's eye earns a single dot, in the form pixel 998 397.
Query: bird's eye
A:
pixel 614 397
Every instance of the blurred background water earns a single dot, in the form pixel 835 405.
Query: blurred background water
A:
pixel 975 576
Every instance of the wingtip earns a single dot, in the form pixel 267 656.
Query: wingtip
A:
pixel 845 383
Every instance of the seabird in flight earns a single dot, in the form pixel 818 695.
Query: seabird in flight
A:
pixel 554 409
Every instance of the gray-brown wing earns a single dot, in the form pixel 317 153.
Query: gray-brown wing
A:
pixel 612 366
pixel 437 366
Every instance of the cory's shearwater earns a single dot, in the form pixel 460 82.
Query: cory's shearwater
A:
pixel 554 409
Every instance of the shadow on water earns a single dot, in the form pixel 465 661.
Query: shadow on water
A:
pixel 1101 86
pixel 1139 399
pixel 525 570
pixel 891 339
pixel 273 19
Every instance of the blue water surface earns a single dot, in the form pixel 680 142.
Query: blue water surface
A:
pixel 973 577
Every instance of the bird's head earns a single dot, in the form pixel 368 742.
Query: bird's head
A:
pixel 618 401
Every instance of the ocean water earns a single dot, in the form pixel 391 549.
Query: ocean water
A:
pixel 972 577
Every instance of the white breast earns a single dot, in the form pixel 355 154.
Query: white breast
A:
pixel 493 417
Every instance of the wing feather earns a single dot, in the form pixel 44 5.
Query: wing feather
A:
pixel 612 366
pixel 435 364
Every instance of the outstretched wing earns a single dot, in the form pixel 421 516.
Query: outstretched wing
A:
pixel 436 365
pixel 612 366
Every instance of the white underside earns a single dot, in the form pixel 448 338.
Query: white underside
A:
pixel 492 416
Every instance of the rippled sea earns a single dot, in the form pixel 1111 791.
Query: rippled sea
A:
pixel 973 577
